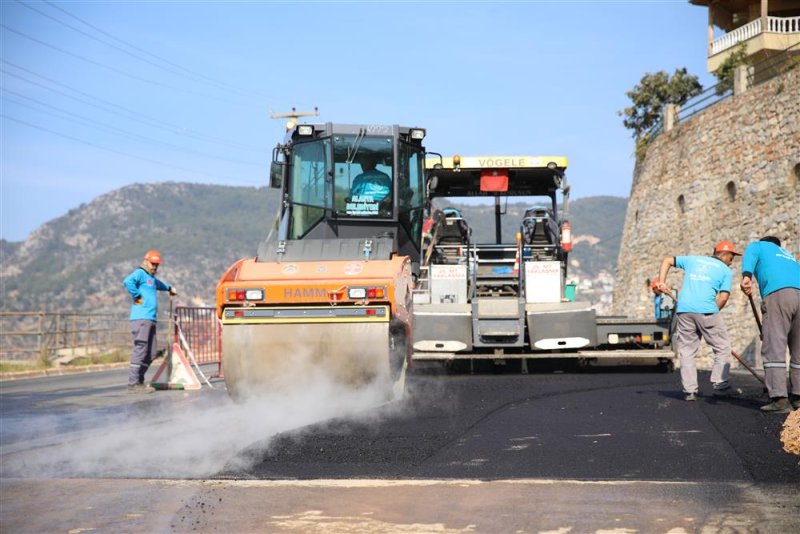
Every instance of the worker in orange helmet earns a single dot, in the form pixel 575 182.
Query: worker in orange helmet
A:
pixel 143 287
pixel 704 292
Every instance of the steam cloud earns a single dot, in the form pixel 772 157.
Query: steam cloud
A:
pixel 185 435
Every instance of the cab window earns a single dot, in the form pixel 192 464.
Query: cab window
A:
pixel 308 189
pixel 410 184
pixel 363 176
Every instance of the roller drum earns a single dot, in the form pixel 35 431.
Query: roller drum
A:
pixel 261 359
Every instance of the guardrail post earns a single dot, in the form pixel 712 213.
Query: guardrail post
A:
pixel 670 116
pixel 741 79
pixel 41 334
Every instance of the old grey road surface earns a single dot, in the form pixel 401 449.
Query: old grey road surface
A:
pixel 615 451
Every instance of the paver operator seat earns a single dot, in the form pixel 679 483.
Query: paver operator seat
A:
pixel 452 236
pixel 540 231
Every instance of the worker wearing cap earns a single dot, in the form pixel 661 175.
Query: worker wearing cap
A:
pixel 778 275
pixel 704 292
pixel 143 287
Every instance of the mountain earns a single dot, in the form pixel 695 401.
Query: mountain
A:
pixel 597 224
pixel 78 261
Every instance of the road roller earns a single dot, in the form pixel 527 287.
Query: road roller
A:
pixel 328 295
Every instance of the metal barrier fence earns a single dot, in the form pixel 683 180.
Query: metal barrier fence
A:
pixel 30 335
pixel 773 66
pixel 759 73
pixel 202 332
pixel 708 97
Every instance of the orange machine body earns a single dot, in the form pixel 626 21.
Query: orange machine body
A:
pixel 318 283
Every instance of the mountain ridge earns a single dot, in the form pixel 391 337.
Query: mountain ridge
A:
pixel 76 262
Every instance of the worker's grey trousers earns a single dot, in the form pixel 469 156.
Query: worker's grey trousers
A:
pixel 144 347
pixel 691 328
pixel 781 327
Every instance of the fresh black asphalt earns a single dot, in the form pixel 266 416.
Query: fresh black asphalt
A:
pixel 612 425
pixel 617 424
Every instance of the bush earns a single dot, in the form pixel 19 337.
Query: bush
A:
pixel 724 74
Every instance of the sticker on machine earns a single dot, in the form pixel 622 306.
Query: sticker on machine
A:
pixel 289 268
pixel 449 272
pixel 354 267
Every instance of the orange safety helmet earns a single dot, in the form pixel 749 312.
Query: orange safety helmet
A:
pixel 153 256
pixel 726 246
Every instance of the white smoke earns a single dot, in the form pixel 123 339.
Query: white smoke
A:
pixel 176 434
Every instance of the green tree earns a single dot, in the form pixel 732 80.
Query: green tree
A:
pixel 724 73
pixel 649 96
pixel 652 93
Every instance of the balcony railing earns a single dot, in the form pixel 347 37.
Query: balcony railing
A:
pixel 751 29
pixel 783 24
pixel 731 39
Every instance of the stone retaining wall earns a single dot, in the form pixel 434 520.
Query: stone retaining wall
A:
pixel 730 172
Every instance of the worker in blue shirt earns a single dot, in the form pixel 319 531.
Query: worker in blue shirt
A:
pixel 371 185
pixel 778 275
pixel 705 291
pixel 143 287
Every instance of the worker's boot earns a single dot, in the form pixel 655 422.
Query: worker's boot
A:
pixel 778 405
pixel 795 401
pixel 727 391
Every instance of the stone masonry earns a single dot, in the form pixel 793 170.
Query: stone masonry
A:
pixel 729 172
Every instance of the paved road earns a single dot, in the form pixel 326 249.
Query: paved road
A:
pixel 577 452
pixel 599 426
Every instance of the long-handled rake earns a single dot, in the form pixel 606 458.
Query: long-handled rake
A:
pixel 755 314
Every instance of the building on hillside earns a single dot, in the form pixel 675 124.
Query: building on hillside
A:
pixel 765 27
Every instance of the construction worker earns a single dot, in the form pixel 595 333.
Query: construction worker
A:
pixel 778 275
pixel 143 287
pixel 704 292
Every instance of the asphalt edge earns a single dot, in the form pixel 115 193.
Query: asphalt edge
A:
pixel 58 371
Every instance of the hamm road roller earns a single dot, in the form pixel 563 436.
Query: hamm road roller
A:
pixel 329 293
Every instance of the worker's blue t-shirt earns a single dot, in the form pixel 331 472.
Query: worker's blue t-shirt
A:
pixel 372 186
pixel 773 267
pixel 141 284
pixel 704 277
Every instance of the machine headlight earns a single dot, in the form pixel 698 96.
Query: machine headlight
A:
pixel 417 133
pixel 305 129
pixel 254 294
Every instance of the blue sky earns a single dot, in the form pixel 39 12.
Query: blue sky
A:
pixel 99 95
